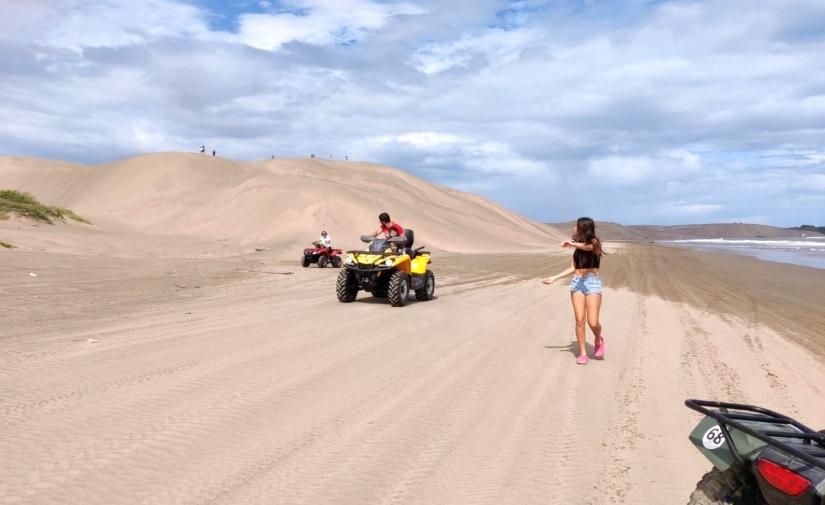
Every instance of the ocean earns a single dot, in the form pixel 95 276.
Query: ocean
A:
pixel 809 252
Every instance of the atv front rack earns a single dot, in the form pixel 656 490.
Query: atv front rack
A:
pixel 382 254
pixel 731 415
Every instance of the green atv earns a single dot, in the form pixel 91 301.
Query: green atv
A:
pixel 759 457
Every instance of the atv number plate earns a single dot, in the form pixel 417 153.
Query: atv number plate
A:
pixel 713 438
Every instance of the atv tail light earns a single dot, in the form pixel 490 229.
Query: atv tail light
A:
pixel 781 478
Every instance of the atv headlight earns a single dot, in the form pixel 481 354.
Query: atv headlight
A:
pixel 350 260
pixel 389 262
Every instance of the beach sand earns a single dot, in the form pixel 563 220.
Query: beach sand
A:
pixel 241 379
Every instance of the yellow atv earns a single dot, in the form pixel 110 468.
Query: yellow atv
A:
pixel 389 269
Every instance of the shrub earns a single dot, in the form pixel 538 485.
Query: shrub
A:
pixel 26 205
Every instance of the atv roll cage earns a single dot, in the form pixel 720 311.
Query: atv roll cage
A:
pixel 731 415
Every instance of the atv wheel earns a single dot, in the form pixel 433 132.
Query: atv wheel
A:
pixel 428 290
pixel 336 262
pixel 399 289
pixel 304 261
pixel 347 286
pixel 718 488
pixel 322 261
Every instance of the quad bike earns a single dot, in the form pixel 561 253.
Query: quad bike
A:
pixel 321 255
pixel 389 269
pixel 760 457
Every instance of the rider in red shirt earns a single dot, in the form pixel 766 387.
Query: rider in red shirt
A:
pixel 388 228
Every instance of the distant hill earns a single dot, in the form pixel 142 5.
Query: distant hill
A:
pixel 615 231
pixel 606 230
pixel 809 228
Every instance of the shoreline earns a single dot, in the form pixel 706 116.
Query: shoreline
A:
pixel 786 255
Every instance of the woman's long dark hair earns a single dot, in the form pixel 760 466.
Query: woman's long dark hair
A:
pixel 586 234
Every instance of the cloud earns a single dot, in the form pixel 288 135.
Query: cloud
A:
pixel 556 109
pixel 319 22
pixel 78 24
pixel 817 182
pixel 497 46
pixel 435 150
pixel 425 139
pixel 633 170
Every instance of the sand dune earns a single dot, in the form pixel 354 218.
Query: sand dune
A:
pixel 279 203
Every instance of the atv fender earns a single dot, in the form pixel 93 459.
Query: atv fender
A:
pixel 418 265
pixel 403 264
pixel 711 442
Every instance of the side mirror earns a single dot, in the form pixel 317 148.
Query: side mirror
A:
pixel 366 238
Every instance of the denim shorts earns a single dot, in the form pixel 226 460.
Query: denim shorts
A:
pixel 589 284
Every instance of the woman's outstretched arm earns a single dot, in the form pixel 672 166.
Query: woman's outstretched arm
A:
pixel 578 245
pixel 558 276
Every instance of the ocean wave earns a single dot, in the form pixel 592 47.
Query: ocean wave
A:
pixel 814 245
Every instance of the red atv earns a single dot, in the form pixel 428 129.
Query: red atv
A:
pixel 323 256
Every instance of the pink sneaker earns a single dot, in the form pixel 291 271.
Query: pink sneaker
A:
pixel 581 360
pixel 599 353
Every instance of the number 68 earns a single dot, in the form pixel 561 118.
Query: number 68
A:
pixel 715 435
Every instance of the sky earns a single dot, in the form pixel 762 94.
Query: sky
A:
pixel 639 112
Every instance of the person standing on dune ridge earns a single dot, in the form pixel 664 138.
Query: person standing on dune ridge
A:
pixel 586 285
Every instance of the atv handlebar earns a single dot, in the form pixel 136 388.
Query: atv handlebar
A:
pixel 395 240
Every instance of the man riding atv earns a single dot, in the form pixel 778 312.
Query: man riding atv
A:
pixel 389 229
pixel 324 241
pixel 321 253
pixel 391 268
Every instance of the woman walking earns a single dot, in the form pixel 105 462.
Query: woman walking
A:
pixel 586 285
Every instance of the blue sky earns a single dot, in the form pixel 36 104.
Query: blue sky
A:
pixel 635 111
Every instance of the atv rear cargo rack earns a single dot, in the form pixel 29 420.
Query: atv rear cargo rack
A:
pixel 732 415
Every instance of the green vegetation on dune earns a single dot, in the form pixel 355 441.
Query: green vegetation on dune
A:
pixel 807 227
pixel 6 245
pixel 25 205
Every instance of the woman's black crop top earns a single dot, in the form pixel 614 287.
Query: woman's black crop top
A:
pixel 585 259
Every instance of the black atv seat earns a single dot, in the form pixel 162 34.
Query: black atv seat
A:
pixel 410 236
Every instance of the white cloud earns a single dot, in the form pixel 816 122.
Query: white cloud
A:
pixel 816 182
pixel 622 169
pixel 424 139
pixel 497 46
pixel 319 22
pixel 693 210
pixel 712 102
pixel 633 170
pixel 476 157
pixel 78 24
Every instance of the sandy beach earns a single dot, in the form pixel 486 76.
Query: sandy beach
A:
pixel 243 380
pixel 198 199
